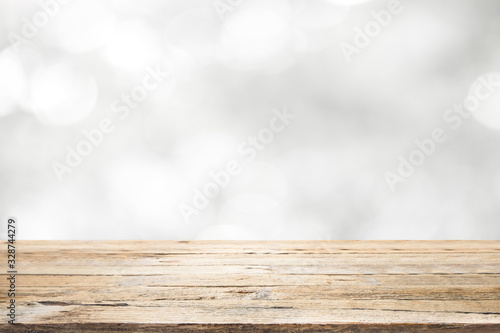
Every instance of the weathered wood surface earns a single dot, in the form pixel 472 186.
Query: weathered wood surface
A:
pixel 235 286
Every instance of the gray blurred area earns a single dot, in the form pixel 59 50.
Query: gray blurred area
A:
pixel 156 97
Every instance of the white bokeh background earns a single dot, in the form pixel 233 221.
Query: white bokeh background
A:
pixel 321 178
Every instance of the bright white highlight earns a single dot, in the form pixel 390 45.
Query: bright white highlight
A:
pixel 62 95
pixel 85 25
pixel 12 81
pixel 134 46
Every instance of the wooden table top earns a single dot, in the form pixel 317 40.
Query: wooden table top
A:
pixel 254 286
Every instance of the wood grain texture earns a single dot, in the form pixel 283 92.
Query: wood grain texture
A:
pixel 251 286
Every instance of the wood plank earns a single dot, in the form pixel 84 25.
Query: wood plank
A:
pixel 255 286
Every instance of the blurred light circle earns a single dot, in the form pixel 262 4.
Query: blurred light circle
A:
pixel 487 98
pixel 85 25
pixel 320 14
pixel 258 178
pixel 225 232
pixel 196 31
pixel 134 46
pixel 254 33
pixel 61 94
pixel 12 81
pixel 257 35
